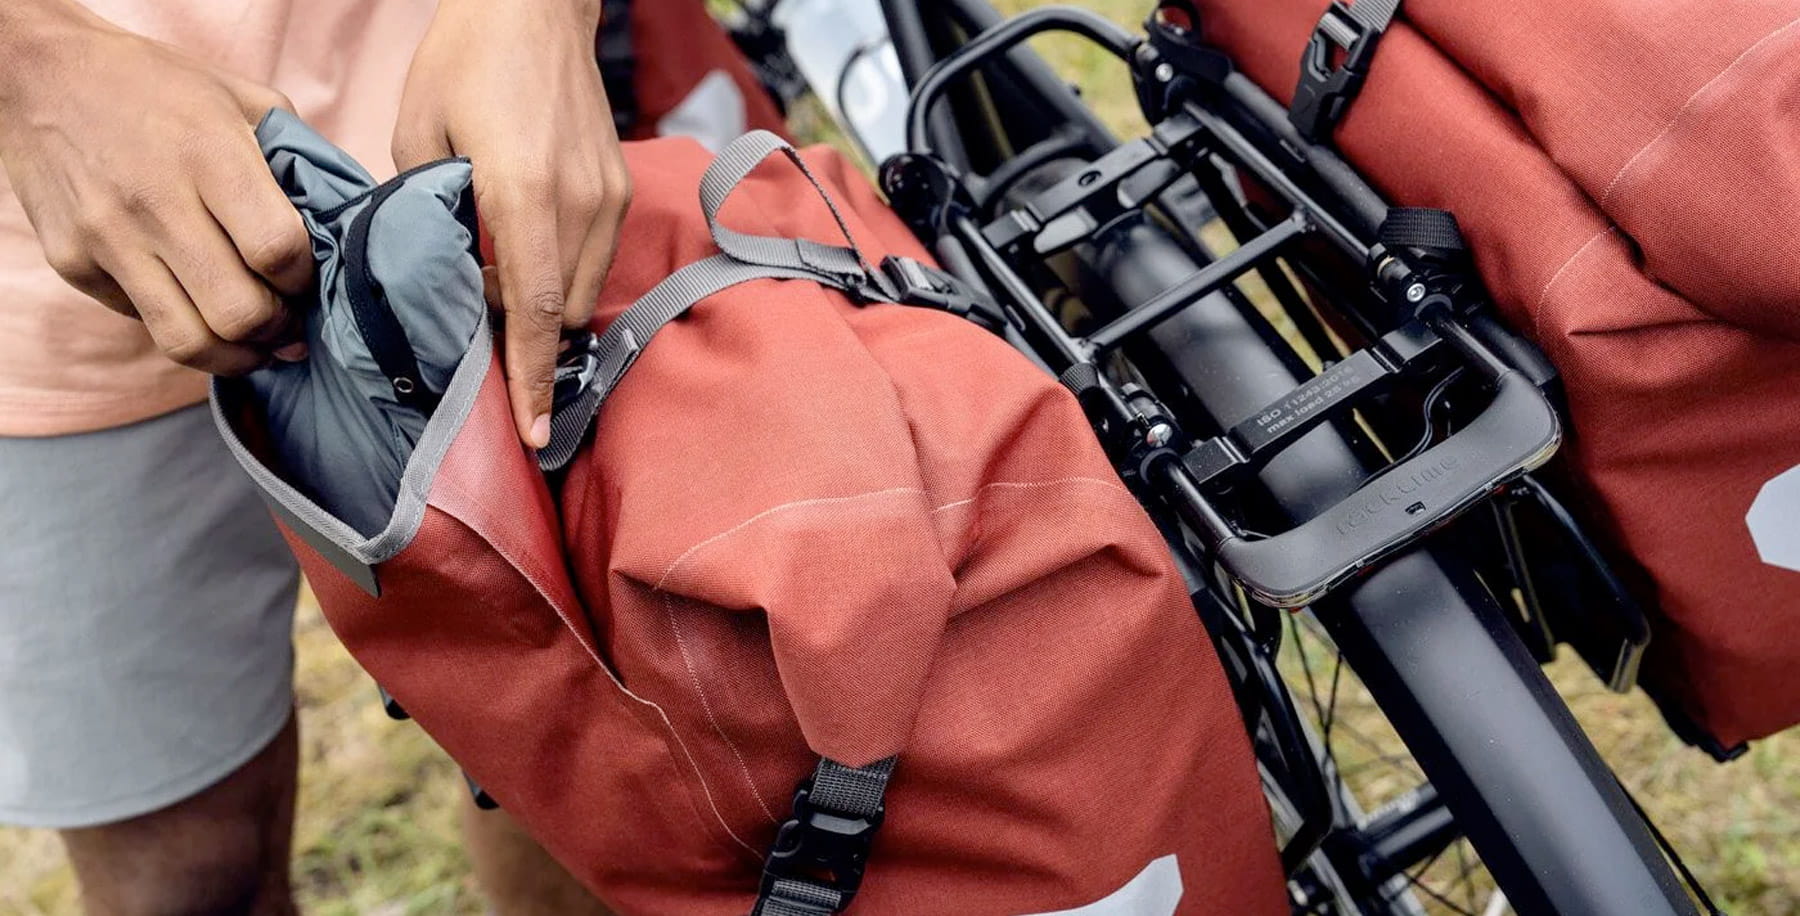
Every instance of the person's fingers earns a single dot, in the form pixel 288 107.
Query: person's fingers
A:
pixel 418 140
pixel 107 292
pixel 262 224
pixel 255 99
pixel 176 325
pixel 76 260
pixel 236 305
pixel 490 285
pixel 598 245
pixel 527 253
pixel 592 263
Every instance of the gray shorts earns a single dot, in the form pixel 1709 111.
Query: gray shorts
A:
pixel 146 609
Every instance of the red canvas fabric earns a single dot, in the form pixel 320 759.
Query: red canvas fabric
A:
pixel 1626 172
pixel 809 528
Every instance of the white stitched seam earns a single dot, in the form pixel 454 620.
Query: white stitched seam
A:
pixel 1545 292
pixel 771 511
pixel 614 678
pixel 706 705
pixel 1015 485
pixel 681 643
pixel 1687 105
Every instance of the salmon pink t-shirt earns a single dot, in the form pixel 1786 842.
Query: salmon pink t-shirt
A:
pixel 69 364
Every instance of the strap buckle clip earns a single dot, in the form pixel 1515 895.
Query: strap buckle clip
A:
pixel 916 284
pixel 576 368
pixel 822 851
pixel 1325 91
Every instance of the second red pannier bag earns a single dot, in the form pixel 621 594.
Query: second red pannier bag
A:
pixel 814 539
pixel 1625 172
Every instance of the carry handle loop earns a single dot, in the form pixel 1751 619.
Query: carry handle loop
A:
pixel 727 173
pixel 591 368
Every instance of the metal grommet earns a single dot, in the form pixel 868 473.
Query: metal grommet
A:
pixel 403 385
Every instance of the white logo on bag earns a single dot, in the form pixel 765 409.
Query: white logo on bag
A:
pixel 1774 521
pixel 713 113
pixel 1154 892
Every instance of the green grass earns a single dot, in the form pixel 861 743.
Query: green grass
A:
pixel 377 831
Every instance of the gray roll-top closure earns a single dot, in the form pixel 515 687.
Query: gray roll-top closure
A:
pixel 343 423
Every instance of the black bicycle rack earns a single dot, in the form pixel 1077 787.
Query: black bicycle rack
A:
pixel 1517 432
pixel 1422 320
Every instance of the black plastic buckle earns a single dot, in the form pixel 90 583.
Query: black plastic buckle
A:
pixel 819 847
pixel 1174 62
pixel 1324 92
pixel 916 284
pixel 576 367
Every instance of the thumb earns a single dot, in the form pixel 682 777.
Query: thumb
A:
pixel 255 99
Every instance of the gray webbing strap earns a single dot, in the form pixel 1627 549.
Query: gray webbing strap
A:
pixel 816 864
pixel 798 898
pixel 743 258
pixel 1374 15
pixel 851 790
pixel 728 171
pixel 618 347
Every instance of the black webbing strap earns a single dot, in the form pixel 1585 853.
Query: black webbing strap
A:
pixel 816 864
pixel 590 371
pixel 1421 227
pixel 1326 90
pixel 381 331
pixel 1427 239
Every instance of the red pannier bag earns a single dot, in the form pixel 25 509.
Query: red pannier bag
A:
pixel 1625 171
pixel 812 539
pixel 671 70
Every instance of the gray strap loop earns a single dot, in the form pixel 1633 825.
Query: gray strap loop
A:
pixel 851 790
pixel 815 866
pixel 1375 15
pixel 619 345
pixel 798 898
pixel 728 171
pixel 744 258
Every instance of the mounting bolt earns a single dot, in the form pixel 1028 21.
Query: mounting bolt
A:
pixel 1164 72
pixel 1159 435
pixel 1416 293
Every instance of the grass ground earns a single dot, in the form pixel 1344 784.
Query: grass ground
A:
pixel 376 831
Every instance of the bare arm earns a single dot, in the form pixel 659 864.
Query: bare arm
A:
pixel 139 169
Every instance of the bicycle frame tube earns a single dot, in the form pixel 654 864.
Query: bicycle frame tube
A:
pixel 1432 647
pixel 1430 643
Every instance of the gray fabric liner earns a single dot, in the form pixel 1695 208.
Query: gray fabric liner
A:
pixel 358 463
pixel 415 483
pixel 396 295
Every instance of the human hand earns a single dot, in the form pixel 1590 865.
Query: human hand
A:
pixel 515 88
pixel 140 171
